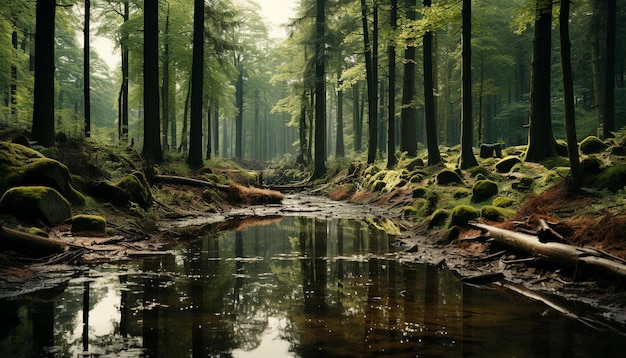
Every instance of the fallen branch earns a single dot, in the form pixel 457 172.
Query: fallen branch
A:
pixel 559 253
pixel 33 245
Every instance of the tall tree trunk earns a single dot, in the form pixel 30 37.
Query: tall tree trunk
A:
pixel 609 83
pixel 541 142
pixel 86 76
pixel 208 132
pixel 302 152
pixel 372 104
pixel 165 87
pixel 597 64
pixel 339 145
pixel 216 128
pixel 43 107
pixel 568 94
pixel 408 114
pixel 320 91
pixel 13 90
pixel 429 98
pixel 194 160
pixel 391 95
pixel 123 96
pixel 239 105
pixel 357 118
pixel 184 137
pixel 467 159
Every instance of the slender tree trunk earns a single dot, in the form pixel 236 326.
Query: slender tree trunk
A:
pixel 429 98
pixel 184 135
pixel 123 99
pixel 467 159
pixel 609 83
pixel 239 104
pixel 597 64
pixel 302 152
pixel 541 143
pixel 165 87
pixel 86 75
pixel 43 107
pixel 208 132
pixel 372 104
pixel 339 147
pixel 408 114
pixel 194 160
pixel 357 118
pixel 13 90
pixel 568 94
pixel 391 108
pixel 320 91
pixel 216 128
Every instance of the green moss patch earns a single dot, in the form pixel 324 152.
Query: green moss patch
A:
pixel 592 144
pixel 494 213
pixel 612 178
pixel 447 177
pixel 438 218
pixel 503 202
pixel 483 190
pixel 507 163
pixel 36 203
pixel 89 224
pixel 462 214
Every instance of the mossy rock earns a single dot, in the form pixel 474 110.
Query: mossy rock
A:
pixel 618 150
pixel 524 184
pixel 503 202
pixel 592 144
pixel 416 178
pixel 131 188
pixel 561 148
pixel 23 166
pixel 410 211
pixel 495 213
pixel 449 236
pixel 612 178
pixel 591 165
pixel 90 224
pixel 419 192
pixel 216 178
pixel 447 177
pixel 438 218
pixel 507 163
pixel 378 185
pixel 462 214
pixel 414 164
pixel 461 193
pixel 36 203
pixel 483 190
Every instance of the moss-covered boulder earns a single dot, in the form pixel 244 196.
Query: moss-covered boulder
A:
pixel 503 202
pixel 414 164
pixel 612 178
pixel 448 177
pixel 507 163
pixel 483 190
pixel 133 188
pixel 438 218
pixel 524 184
pixel 461 193
pixel 462 214
pixel 23 166
pixel 495 213
pixel 89 224
pixel 561 148
pixel 419 192
pixel 592 144
pixel 591 165
pixel 36 203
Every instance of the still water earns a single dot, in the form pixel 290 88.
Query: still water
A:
pixel 298 287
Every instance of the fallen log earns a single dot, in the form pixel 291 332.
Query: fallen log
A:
pixel 32 245
pixel 557 252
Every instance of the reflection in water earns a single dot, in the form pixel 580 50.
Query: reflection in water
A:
pixel 304 287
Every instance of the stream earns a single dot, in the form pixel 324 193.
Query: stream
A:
pixel 290 287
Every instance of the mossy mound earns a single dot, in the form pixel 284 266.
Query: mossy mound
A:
pixel 23 166
pixel 448 177
pixel 561 148
pixel 524 184
pixel 410 211
pixel 438 218
pixel 216 178
pixel 503 202
pixel 462 214
pixel 612 178
pixel 461 193
pixel 507 163
pixel 414 164
pixel 495 213
pixel 483 190
pixel 36 203
pixel 592 144
pixel 591 165
pixel 90 224
pixel 132 188
pixel 385 181
pixel 419 192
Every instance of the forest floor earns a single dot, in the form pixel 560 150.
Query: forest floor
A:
pixel 180 212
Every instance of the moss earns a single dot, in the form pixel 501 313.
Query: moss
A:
pixel 414 164
pixel 524 184
pixel 419 192
pixel 136 188
pixel 438 218
pixel 561 148
pixel 216 178
pixel 483 190
pixel 494 213
pixel 378 185
pixel 416 178
pixel 92 224
pixel 36 203
pixel 591 165
pixel 410 211
pixel 462 214
pixel 503 202
pixel 592 144
pixel 447 177
pixel 449 236
pixel 461 193
pixel 507 163
pixel 37 231
pixel 612 178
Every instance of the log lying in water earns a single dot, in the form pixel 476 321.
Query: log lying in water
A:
pixel 33 245
pixel 559 253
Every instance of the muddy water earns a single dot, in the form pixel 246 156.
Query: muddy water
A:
pixel 296 287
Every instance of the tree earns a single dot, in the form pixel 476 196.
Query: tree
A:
pixel 372 89
pixel 86 76
pixel 568 95
pixel 429 97
pixel 541 142
pixel 194 160
pixel 151 122
pixel 408 114
pixel 391 97
pixel 608 126
pixel 320 92
pixel 43 108
pixel 467 159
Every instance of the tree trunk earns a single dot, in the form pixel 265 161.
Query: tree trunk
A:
pixel 320 91
pixel 391 108
pixel 86 76
pixel 609 82
pixel 597 64
pixel 165 87
pixel 541 143
pixel 194 160
pixel 408 114
pixel 123 96
pixel 467 159
pixel 43 107
pixel 357 118
pixel 372 104
pixel 339 145
pixel 568 94
pixel 216 128
pixel 151 121
pixel 239 105
pixel 429 98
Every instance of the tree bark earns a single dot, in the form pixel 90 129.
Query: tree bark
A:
pixel 408 114
pixel 467 159
pixel 372 103
pixel 320 91
pixel 608 126
pixel 43 107
pixel 391 96
pixel 339 145
pixel 429 98
pixel 86 75
pixel 194 160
